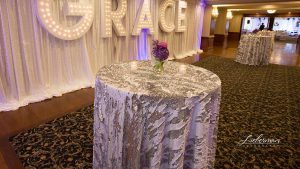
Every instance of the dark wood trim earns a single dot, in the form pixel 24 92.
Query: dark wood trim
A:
pixel 220 40
pixel 207 43
pixel 234 36
pixel 9 156
pixel 3 164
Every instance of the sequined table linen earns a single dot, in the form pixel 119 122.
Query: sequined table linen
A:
pixel 254 49
pixel 147 120
pixel 268 33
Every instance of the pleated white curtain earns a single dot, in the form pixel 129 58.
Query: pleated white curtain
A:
pixel 34 65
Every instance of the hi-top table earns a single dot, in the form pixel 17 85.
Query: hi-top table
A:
pixel 143 119
pixel 254 49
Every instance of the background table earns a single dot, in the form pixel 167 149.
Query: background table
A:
pixel 147 120
pixel 254 49
pixel 268 33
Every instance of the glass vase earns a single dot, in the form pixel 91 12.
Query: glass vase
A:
pixel 158 66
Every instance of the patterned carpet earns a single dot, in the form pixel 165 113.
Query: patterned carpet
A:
pixel 66 142
pixel 259 101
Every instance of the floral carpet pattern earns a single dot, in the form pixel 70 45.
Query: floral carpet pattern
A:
pixel 257 101
pixel 66 142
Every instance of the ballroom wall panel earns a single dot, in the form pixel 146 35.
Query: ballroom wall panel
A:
pixel 235 23
pixel 36 65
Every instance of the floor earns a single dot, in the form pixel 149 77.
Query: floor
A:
pixel 283 53
pixel 32 115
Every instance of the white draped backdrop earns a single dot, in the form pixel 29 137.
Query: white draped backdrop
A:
pixel 34 65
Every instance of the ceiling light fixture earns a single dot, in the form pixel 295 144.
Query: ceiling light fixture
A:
pixel 271 11
pixel 215 12
pixel 229 15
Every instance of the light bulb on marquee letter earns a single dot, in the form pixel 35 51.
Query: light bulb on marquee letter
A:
pixel 111 18
pixel 162 15
pixel 180 16
pixel 143 20
pixel 84 10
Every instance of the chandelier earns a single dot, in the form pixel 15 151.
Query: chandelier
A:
pixel 229 15
pixel 215 12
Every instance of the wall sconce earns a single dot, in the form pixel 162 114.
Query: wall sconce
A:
pixel 229 15
pixel 215 12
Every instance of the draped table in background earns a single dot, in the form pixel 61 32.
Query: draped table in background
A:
pixel 147 120
pixel 254 49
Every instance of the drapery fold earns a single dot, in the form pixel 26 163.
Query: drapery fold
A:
pixel 34 65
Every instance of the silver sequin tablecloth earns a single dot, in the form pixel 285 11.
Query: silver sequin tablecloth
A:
pixel 254 49
pixel 147 120
pixel 268 33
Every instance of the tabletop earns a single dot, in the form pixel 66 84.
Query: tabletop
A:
pixel 178 79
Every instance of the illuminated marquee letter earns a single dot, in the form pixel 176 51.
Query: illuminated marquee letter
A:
pixel 143 20
pixel 109 18
pixel 180 16
pixel 84 10
pixel 162 15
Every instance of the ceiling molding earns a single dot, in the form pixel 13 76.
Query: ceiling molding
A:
pixel 260 6
pixel 216 2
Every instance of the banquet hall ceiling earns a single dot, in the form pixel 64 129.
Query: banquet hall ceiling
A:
pixel 213 2
pixel 257 6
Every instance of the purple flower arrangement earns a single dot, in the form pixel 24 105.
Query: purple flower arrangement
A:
pixel 161 53
pixel 160 50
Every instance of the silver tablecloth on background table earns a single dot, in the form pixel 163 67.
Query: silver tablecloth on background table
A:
pixel 147 120
pixel 254 49
pixel 268 33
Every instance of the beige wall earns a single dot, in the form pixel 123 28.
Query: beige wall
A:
pixel 235 23
pixel 207 21
pixel 221 22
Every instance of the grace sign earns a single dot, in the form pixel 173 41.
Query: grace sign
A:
pixel 110 19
